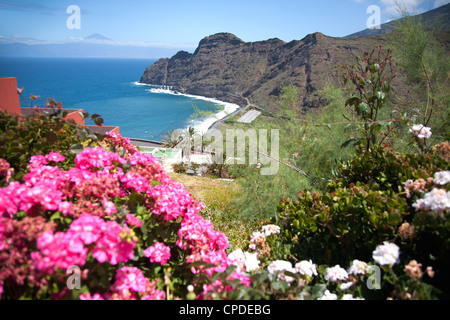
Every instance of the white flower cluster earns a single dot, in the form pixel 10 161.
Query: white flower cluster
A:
pixel 333 274
pixel 279 267
pixel 336 273
pixel 358 267
pixel 306 268
pixel 244 260
pixel 260 236
pixel 442 177
pixel 332 296
pixel 435 200
pixel 257 237
pixel 386 254
pixel 420 131
pixel 270 229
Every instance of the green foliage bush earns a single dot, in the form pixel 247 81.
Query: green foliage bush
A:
pixel 369 203
pixel 331 227
pixel 22 138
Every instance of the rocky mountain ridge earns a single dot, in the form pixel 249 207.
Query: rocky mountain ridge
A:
pixel 226 68
pixel 229 69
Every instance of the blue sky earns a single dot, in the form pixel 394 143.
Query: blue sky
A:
pixel 177 22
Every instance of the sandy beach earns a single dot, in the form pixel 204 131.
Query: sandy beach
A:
pixel 213 122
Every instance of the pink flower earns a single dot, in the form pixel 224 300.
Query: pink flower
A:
pixel 87 296
pixel 115 244
pixel 110 208
pixel 37 161
pixel 65 207
pixel 10 198
pixel 130 278
pixel 120 142
pixel 158 253
pixel 157 295
pixel 55 157
pixel 44 194
pixel 96 158
pixel 171 200
pixel 5 170
pixel 59 250
pixel 135 181
pixel 88 228
pixel 134 221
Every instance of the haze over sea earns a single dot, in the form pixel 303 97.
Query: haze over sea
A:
pixel 108 87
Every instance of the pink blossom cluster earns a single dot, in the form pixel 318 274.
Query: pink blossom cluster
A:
pixel 64 249
pixel 17 240
pixel 118 142
pixel 88 194
pixel 5 170
pixel 171 200
pixel 129 281
pixel 158 253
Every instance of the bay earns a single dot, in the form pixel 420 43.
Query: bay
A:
pixel 108 87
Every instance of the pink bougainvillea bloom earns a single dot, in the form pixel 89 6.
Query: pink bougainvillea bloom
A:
pixel 59 250
pixel 55 157
pixel 109 207
pixel 37 161
pixel 114 245
pixel 133 221
pixel 44 194
pixel 65 207
pixel 87 296
pixel 171 200
pixel 158 253
pixel 96 158
pixel 130 278
pixel 132 180
pixel 88 228
pixel 10 198
pixel 120 142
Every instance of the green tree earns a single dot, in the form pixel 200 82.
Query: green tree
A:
pixel 426 63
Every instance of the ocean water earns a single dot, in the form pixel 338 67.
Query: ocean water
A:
pixel 110 87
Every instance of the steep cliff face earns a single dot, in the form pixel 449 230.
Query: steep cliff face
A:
pixel 227 68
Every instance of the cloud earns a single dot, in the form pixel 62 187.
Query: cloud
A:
pixel 72 40
pixel 440 3
pixel 27 6
pixel 394 7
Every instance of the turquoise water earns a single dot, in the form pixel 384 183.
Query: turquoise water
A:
pixel 107 87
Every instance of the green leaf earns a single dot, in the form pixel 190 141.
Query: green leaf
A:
pixel 375 67
pixel 82 134
pixel 55 216
pixel 318 290
pixel 352 101
pixel 95 115
pixel 363 108
pixel 201 263
pixel 346 143
pixel 76 148
pixel 380 95
pixel 98 122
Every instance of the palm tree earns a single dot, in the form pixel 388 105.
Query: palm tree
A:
pixel 170 140
pixel 185 139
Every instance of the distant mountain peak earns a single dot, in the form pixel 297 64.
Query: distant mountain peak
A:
pixel 433 19
pixel 97 36
pixel 220 38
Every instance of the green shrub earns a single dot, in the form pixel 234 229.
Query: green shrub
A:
pixel 39 135
pixel 334 226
